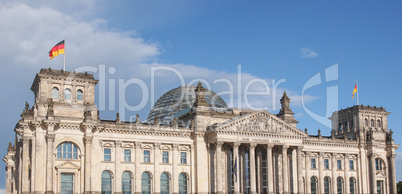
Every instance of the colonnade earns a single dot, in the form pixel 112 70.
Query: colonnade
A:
pixel 258 168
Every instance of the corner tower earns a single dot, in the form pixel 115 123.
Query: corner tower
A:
pixel 61 94
pixel 360 120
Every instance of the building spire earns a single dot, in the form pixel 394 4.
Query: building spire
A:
pixel 286 114
pixel 199 99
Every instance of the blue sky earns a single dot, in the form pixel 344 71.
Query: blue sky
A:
pixel 272 40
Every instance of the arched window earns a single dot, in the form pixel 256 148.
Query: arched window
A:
pixel 340 127
pixel 126 184
pixel 372 123
pixel 378 123
pixel 67 150
pixel 145 183
pixel 346 126
pixel 106 182
pixel 55 92
pixel 313 180
pixel 327 185
pixel 67 94
pixel 352 183
pixel 165 183
pixel 366 122
pixel 79 95
pixel 378 164
pixel 339 185
pixel 182 183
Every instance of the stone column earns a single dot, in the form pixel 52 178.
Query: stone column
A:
pixel 219 170
pixel 241 167
pixel 137 173
pixel 118 172
pixel 252 168
pixel 299 170
pixel 236 166
pixel 49 162
pixel 321 172
pixel 334 190
pixel 25 165
pixel 259 180
pixel 285 167
pixel 192 163
pixel 307 177
pixel 347 167
pixel 373 173
pixel 88 173
pixel 392 173
pixel 269 168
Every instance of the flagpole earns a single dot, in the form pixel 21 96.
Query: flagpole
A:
pixel 64 66
pixel 357 91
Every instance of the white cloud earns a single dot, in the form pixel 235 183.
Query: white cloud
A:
pixel 308 53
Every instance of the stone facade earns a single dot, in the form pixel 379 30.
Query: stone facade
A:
pixel 62 146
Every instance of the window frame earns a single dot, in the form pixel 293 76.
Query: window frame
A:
pixel 183 183
pixel 165 182
pixel 79 93
pixel 125 185
pixel 165 157
pixel 68 182
pixel 107 157
pixel 339 164
pixel 351 165
pixel 147 156
pixel 183 160
pixel 313 163
pixel 55 93
pixel 110 182
pixel 127 157
pixel 64 153
pixel 67 94
pixel 326 163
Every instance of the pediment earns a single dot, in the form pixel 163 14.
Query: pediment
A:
pixel 68 165
pixel 262 122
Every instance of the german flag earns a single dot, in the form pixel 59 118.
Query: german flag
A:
pixel 354 91
pixel 57 49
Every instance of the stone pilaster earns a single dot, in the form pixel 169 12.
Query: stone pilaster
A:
pixel 373 173
pixel 88 173
pixel 25 164
pixel 175 161
pixel 49 161
pixel 285 167
pixel 118 172
pixel 347 167
pixel 252 168
pixel 270 170
pixel 157 160
pixel 8 178
pixel 321 171
pixel 334 190
pixel 307 177
pixel 138 159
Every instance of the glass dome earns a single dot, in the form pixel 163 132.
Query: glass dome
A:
pixel 180 99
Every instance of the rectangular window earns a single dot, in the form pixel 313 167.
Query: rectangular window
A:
pixel 326 163
pixel 107 154
pixel 147 156
pixel 339 164
pixel 67 183
pixel 379 187
pixel 313 165
pixel 127 155
pixel 183 158
pixel 351 165
pixel 165 157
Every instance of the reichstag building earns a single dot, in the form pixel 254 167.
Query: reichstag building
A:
pixel 191 143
